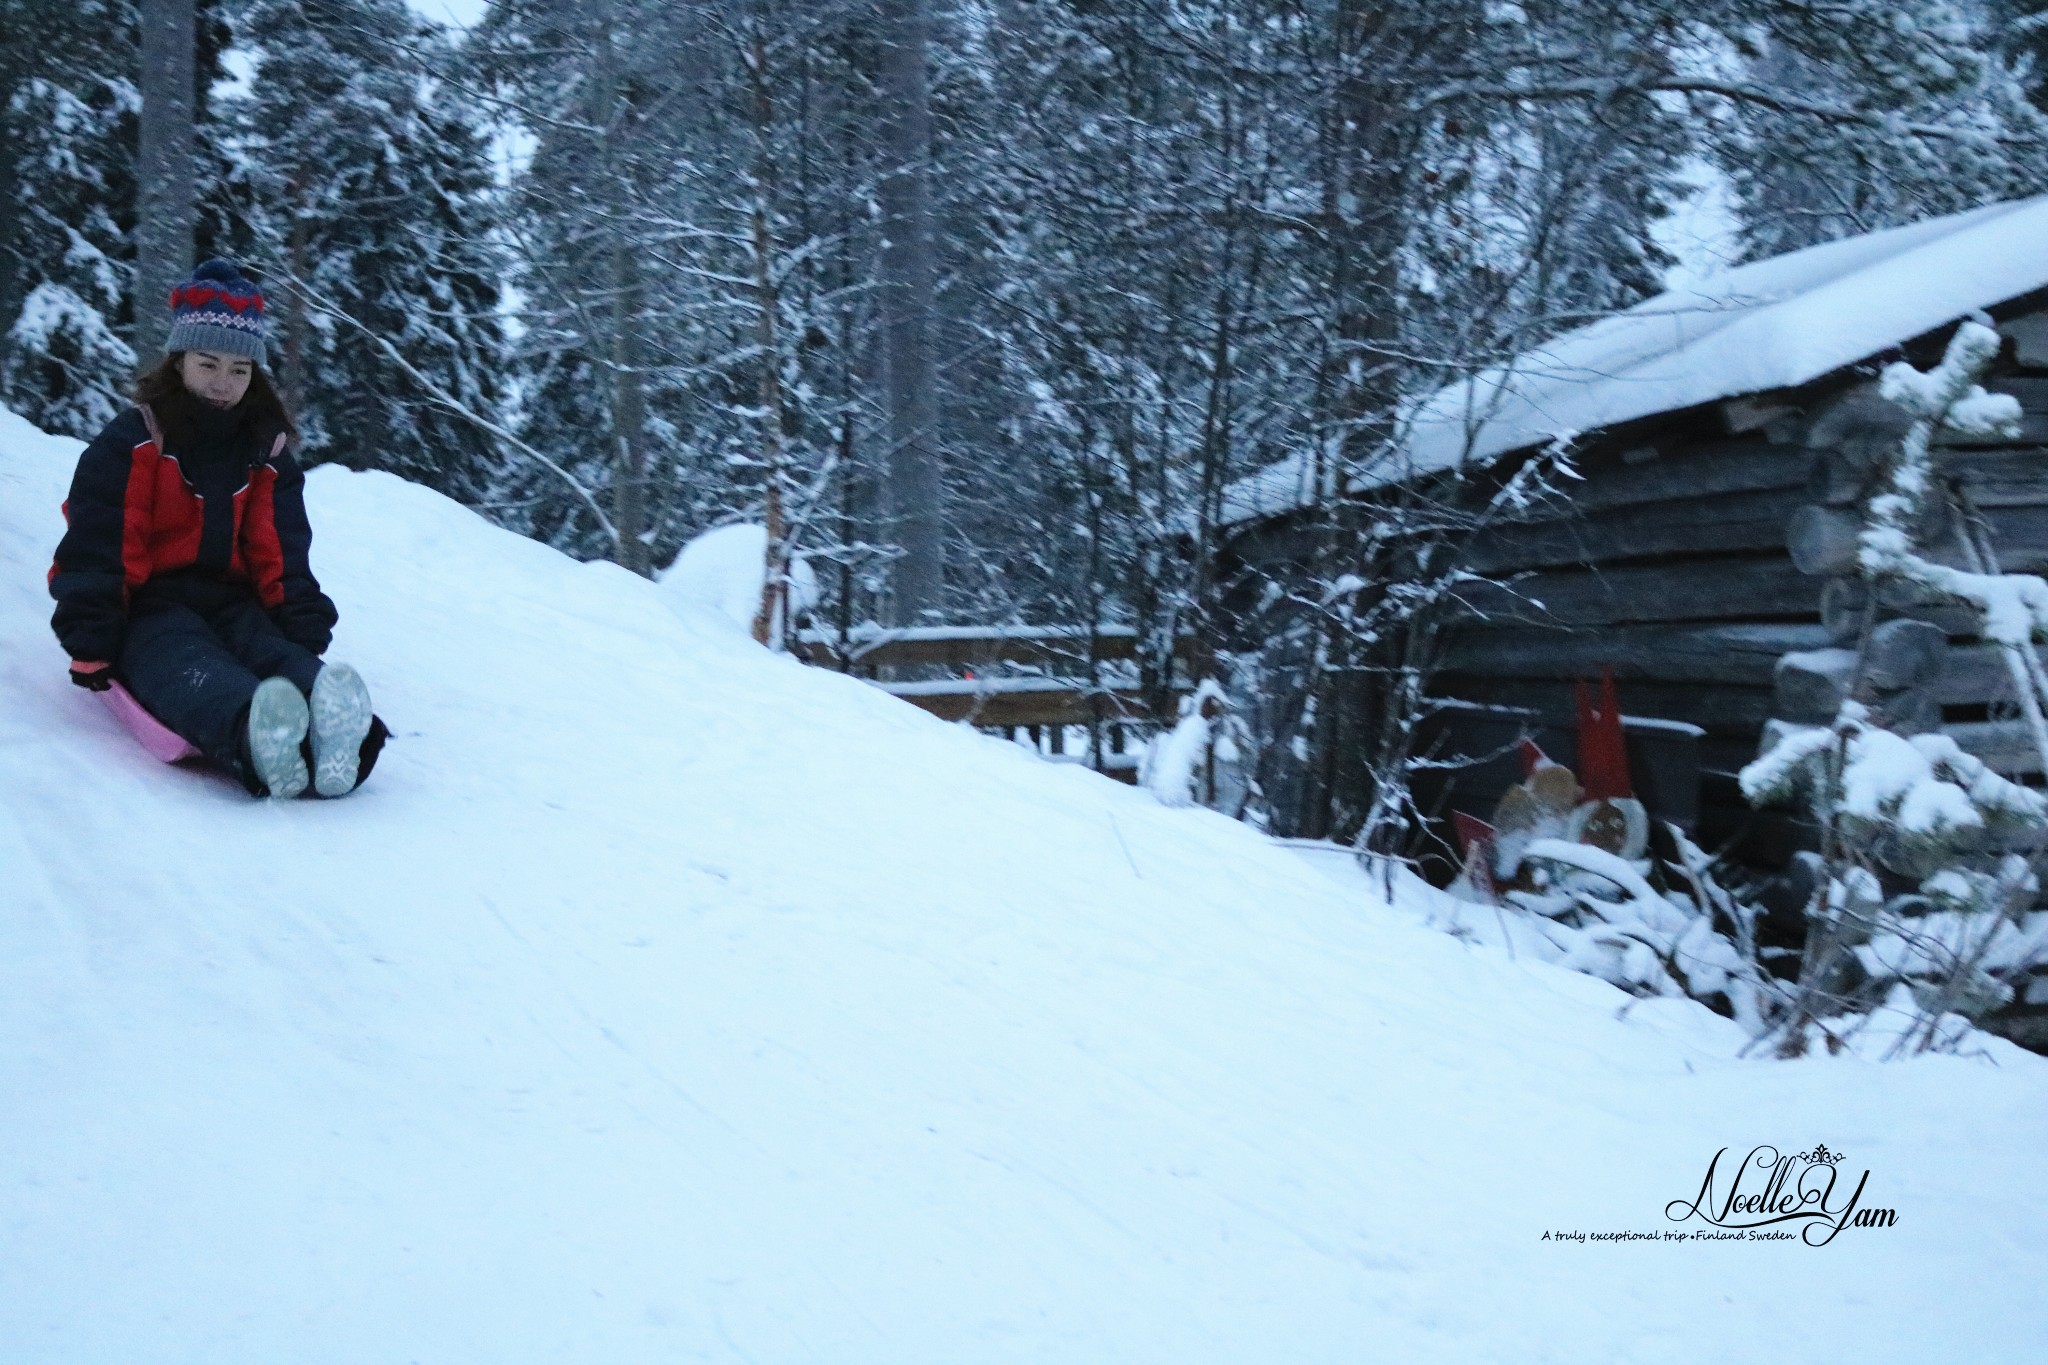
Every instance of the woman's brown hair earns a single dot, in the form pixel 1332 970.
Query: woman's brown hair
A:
pixel 162 387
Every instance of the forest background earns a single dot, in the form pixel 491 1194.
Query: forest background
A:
pixel 983 304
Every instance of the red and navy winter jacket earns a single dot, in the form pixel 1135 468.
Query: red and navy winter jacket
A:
pixel 139 516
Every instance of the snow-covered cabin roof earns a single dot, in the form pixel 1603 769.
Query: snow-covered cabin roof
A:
pixel 1771 324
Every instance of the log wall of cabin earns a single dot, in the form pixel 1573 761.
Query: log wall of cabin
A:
pixel 1670 565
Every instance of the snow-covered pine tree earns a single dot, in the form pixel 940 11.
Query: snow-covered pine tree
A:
pixel 2019 28
pixel 372 209
pixel 604 223
pixel 1555 216
pixel 1929 855
pixel 1175 244
pixel 1529 216
pixel 1091 229
pixel 67 192
pixel 68 106
pixel 1197 280
pixel 1865 115
pixel 734 181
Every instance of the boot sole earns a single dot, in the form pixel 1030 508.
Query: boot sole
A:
pixel 277 726
pixel 341 721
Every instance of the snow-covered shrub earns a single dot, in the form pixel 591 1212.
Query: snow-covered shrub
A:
pixel 1922 911
pixel 1572 876
pixel 1922 895
pixel 1177 762
pixel 723 572
pixel 1603 917
pixel 69 114
pixel 65 360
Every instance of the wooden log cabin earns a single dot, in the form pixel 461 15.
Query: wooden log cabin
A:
pixel 1722 438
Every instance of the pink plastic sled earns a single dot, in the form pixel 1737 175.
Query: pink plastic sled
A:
pixel 149 732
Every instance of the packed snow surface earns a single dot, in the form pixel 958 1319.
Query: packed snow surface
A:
pixel 661 999
pixel 1771 324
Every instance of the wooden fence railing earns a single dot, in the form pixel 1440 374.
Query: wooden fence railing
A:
pixel 1002 677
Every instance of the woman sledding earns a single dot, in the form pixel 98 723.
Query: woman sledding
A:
pixel 184 575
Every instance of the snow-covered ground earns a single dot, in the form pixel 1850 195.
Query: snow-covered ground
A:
pixel 663 1000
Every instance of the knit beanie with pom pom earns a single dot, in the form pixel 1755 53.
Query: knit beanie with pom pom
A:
pixel 219 310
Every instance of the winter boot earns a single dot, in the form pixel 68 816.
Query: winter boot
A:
pixel 341 722
pixel 277 725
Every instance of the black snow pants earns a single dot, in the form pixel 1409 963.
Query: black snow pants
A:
pixel 193 653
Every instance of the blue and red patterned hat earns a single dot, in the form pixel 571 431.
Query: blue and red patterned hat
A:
pixel 218 309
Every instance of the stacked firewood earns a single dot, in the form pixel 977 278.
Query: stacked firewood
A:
pixel 1915 656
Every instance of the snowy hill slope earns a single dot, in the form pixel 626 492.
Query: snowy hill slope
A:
pixel 663 1000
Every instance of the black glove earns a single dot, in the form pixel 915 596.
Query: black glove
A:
pixel 89 628
pixel 307 622
pixel 91 675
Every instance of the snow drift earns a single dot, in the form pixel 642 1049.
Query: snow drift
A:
pixel 660 999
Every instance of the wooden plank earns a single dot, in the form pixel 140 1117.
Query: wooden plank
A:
pixel 1745 655
pixel 1280 545
pixel 2029 339
pixel 1050 706
pixel 2019 535
pixel 1827 540
pixel 1711 469
pixel 1738 521
pixel 2004 744
pixel 1729 754
pixel 1822 540
pixel 976 650
pixel 1695 590
pixel 2032 393
pixel 1753 413
pixel 2001 478
pixel 1726 711
pixel 983 652
pixel 1842 610
pixel 2033 431
pixel 1974 675
pixel 1842 604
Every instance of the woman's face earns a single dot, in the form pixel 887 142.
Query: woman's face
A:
pixel 220 379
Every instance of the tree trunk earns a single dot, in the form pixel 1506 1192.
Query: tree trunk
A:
pixel 166 208
pixel 1368 210
pixel 916 490
pixel 13 288
pixel 629 413
pixel 771 619
pixel 1364 210
pixel 615 111
pixel 292 373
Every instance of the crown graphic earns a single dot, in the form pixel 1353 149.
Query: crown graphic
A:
pixel 1820 1156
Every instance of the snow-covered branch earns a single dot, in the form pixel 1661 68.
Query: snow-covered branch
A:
pixel 312 299
pixel 2014 607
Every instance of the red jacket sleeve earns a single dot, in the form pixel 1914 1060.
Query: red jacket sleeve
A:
pixel 277 543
